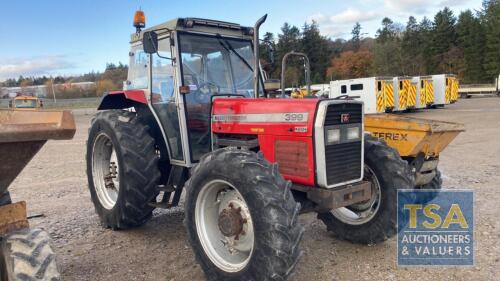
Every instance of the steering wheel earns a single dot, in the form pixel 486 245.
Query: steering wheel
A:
pixel 209 86
pixel 205 92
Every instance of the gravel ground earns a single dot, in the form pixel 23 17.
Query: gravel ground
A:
pixel 55 185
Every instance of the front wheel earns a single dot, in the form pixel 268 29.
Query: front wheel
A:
pixel 374 220
pixel 241 218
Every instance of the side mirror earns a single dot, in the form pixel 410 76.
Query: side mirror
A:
pixel 272 85
pixel 150 42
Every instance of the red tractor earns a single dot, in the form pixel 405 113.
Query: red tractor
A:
pixel 194 116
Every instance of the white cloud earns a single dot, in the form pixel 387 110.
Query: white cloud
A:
pixel 419 7
pixel 33 66
pixel 340 24
pixel 408 5
pixel 371 12
pixel 351 16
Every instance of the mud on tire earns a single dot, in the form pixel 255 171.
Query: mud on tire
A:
pixel 274 214
pixel 27 255
pixel 138 171
pixel 392 173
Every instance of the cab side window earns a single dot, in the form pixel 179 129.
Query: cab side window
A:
pixel 138 69
pixel 162 86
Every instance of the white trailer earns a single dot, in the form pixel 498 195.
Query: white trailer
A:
pixel 466 91
pixel 404 93
pixel 443 89
pixel 376 92
pixel 425 91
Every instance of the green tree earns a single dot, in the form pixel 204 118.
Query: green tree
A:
pixel 425 33
pixel 471 40
pixel 267 48
pixel 356 36
pixel 316 46
pixel 288 40
pixel 491 21
pixel 443 42
pixel 411 46
pixel 387 52
pixel 388 31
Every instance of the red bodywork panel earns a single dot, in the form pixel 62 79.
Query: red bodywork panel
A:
pixel 135 95
pixel 275 122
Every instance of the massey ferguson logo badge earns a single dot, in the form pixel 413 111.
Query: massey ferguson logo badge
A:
pixel 344 118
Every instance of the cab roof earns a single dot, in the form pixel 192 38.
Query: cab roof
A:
pixel 198 25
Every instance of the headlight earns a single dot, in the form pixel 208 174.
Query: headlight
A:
pixel 353 133
pixel 333 136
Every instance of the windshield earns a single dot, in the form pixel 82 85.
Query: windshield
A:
pixel 217 65
pixel 25 103
pixel 212 65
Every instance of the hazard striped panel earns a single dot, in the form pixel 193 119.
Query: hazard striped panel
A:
pixel 423 93
pixel 380 99
pixel 412 97
pixel 388 96
pixel 403 94
pixel 447 92
pixel 429 92
pixel 454 96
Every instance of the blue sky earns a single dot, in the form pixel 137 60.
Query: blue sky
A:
pixel 61 37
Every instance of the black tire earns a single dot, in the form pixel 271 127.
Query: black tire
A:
pixel 273 210
pixel 392 173
pixel 27 255
pixel 435 184
pixel 138 168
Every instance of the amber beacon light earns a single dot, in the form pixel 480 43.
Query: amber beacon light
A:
pixel 139 20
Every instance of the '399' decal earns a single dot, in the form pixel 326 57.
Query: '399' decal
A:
pixel 295 117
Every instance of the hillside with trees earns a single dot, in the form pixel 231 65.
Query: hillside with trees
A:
pixel 467 45
pixel 111 79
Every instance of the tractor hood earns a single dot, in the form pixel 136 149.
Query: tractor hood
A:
pixel 285 117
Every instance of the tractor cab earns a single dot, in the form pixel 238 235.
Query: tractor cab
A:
pixel 184 64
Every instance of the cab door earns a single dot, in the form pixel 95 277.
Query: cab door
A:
pixel 166 102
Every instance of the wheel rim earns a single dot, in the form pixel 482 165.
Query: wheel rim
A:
pixel 105 171
pixel 224 226
pixel 365 211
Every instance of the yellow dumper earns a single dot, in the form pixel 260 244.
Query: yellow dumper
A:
pixel 419 141
pixel 25 103
pixel 22 134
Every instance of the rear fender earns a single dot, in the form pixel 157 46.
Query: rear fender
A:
pixel 122 99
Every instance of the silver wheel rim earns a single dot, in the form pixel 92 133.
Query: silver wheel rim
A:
pixel 105 171
pixel 365 211
pixel 228 253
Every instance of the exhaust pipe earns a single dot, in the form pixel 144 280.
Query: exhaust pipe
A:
pixel 256 68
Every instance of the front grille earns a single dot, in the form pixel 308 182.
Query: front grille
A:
pixel 335 111
pixel 343 162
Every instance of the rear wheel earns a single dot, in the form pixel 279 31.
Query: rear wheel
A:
pixel 374 220
pixel 27 255
pixel 241 218
pixel 122 169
